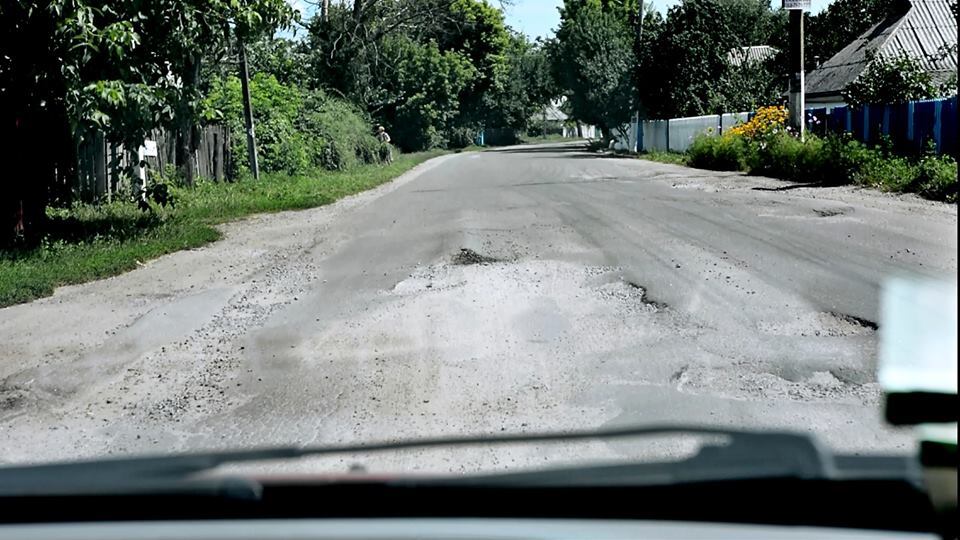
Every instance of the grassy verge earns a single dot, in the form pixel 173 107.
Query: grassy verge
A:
pixel 673 158
pixel 528 139
pixel 832 160
pixel 92 242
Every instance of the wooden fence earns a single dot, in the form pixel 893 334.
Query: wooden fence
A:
pixel 100 164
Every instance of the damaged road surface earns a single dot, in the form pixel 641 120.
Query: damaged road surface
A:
pixel 531 288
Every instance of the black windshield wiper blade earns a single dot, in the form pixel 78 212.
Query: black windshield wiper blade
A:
pixel 800 455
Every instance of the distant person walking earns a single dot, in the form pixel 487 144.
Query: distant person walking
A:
pixel 384 139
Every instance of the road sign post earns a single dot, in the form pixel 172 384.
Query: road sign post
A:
pixel 797 103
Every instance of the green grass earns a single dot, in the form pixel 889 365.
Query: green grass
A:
pixel 529 139
pixel 674 158
pixel 92 242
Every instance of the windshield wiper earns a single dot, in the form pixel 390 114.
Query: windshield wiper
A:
pixel 752 453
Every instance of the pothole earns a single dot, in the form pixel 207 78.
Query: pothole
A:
pixel 645 299
pixel 11 397
pixel 824 324
pixel 855 321
pixel 830 212
pixel 468 257
pixel 628 292
pixel 817 386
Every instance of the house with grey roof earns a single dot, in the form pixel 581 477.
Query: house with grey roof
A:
pixel 739 56
pixel 925 30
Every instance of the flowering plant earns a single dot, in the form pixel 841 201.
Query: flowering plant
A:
pixel 767 121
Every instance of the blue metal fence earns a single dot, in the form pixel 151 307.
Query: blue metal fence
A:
pixel 910 127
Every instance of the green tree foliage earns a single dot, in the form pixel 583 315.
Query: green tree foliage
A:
pixel 689 65
pixel 524 88
pixel 68 67
pixel 283 58
pixel 297 129
pixel 593 62
pixel 895 79
pixel 431 71
pixel 424 90
pixel 752 85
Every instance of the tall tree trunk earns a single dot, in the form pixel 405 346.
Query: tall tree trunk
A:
pixel 187 140
pixel 30 170
pixel 325 11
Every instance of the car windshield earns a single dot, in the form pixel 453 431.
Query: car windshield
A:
pixel 235 225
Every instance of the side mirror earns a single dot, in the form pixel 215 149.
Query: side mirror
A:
pixel 918 376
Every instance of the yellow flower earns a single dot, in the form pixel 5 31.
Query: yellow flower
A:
pixel 765 121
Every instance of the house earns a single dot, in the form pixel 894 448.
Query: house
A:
pixel 924 30
pixel 739 56
pixel 553 121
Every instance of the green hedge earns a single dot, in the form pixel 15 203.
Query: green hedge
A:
pixel 297 130
pixel 833 160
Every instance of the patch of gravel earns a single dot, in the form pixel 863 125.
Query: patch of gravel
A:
pixel 823 324
pixel 738 383
pixel 468 256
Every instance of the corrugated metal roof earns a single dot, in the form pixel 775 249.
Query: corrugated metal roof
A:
pixel 925 30
pixel 757 53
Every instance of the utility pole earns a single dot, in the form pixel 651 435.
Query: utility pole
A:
pixel 797 103
pixel 248 114
pixel 325 11
pixel 639 51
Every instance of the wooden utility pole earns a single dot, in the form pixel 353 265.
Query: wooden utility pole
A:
pixel 797 103
pixel 248 114
pixel 325 10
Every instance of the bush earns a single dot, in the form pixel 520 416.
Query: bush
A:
pixel 844 157
pixel 726 153
pixel 339 135
pixel 833 160
pixel 937 178
pixel 461 137
pixel 887 174
pixel 296 130
pixel 782 155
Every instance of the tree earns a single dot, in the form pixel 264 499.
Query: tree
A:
pixel 525 87
pixel 69 68
pixel 896 79
pixel 424 86
pixel 182 33
pixel 593 63
pixel 367 50
pixel 690 69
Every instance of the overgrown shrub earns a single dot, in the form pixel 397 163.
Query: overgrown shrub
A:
pixel 833 160
pixel 296 129
pixel 784 156
pixel 887 174
pixel 937 178
pixel 726 153
pixel 843 158
pixel 461 137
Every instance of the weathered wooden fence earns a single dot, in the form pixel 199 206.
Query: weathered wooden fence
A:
pixel 101 164
pixel 908 126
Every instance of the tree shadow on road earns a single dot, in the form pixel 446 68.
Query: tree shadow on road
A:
pixel 552 149
pixel 792 186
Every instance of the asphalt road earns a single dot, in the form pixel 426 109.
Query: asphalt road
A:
pixel 524 289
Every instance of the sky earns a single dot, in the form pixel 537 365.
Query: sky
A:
pixel 538 18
